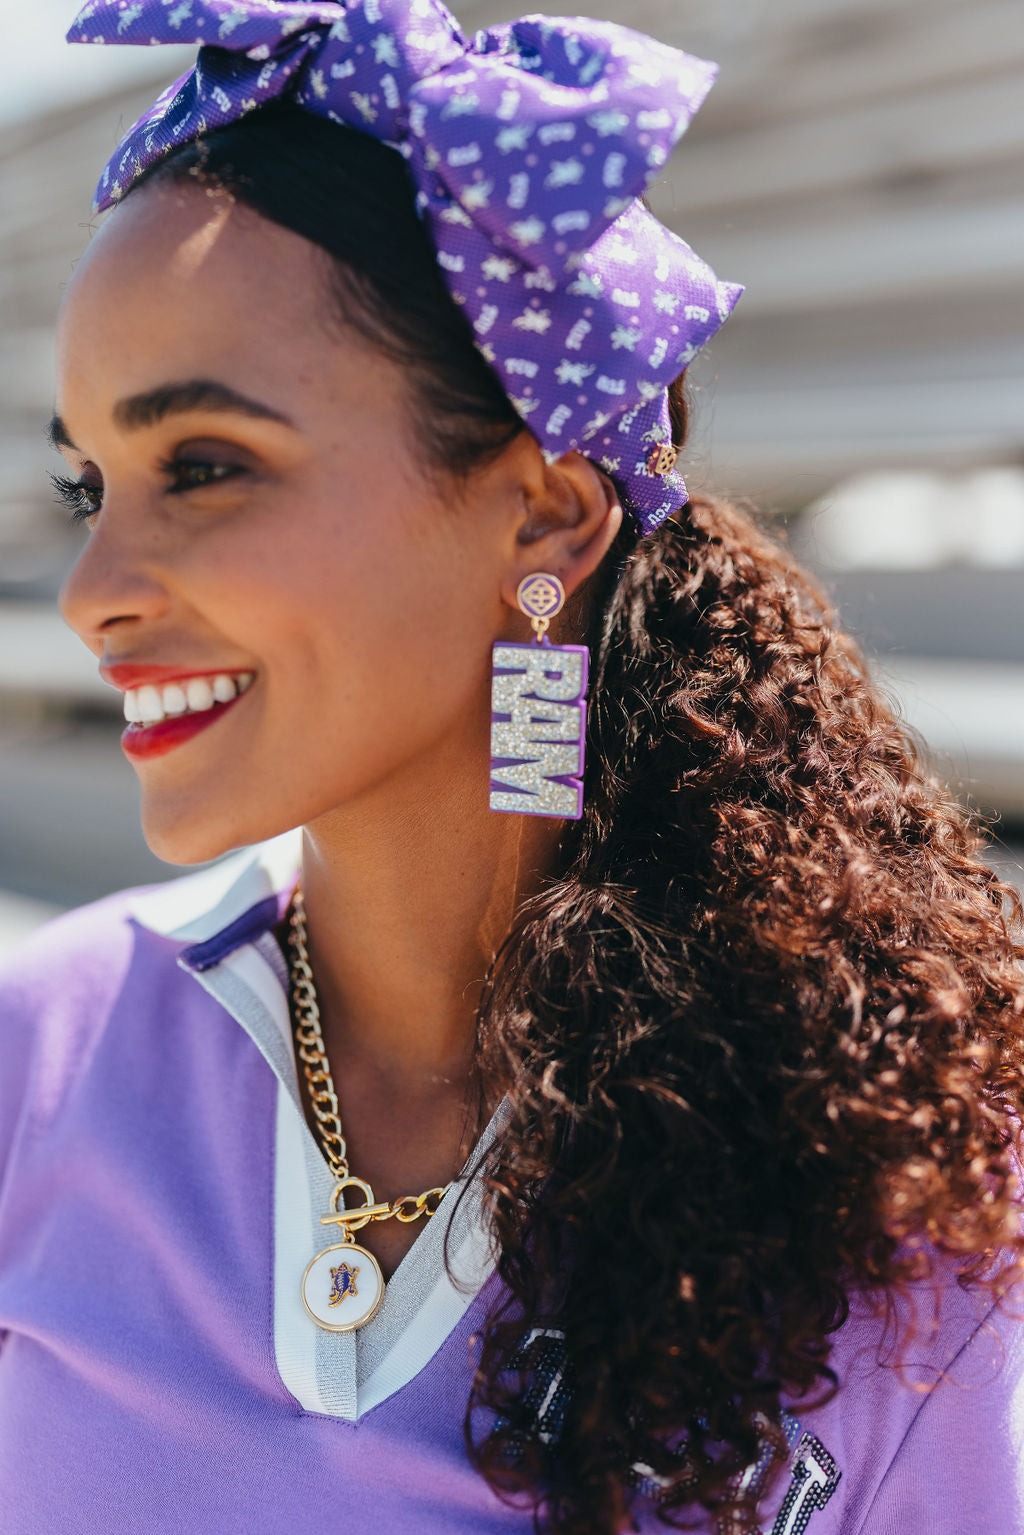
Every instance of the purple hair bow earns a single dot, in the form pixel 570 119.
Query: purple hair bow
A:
pixel 529 145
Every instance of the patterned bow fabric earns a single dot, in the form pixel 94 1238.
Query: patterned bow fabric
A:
pixel 529 146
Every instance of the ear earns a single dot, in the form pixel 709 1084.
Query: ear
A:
pixel 570 517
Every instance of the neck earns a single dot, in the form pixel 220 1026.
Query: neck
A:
pixel 408 896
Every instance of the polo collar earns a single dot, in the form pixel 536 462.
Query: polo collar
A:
pixel 218 909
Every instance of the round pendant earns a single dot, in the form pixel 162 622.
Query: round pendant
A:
pixel 342 1287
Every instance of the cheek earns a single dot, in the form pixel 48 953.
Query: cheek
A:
pixel 399 654
pixel 372 642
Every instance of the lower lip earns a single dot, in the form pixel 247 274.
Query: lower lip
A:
pixel 143 742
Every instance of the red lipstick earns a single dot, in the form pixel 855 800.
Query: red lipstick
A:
pixel 144 741
pixel 134 674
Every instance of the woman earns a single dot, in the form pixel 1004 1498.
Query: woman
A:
pixel 712 1077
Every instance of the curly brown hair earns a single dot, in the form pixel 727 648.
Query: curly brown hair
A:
pixel 765 1025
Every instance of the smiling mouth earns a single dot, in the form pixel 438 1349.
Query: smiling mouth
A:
pixel 146 738
pixel 150 705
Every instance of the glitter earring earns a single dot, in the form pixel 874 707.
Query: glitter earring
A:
pixel 538 712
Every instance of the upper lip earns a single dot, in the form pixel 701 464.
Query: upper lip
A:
pixel 128 674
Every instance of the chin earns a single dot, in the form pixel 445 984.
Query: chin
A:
pixel 185 841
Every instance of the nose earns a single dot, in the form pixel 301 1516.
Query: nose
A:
pixel 112 583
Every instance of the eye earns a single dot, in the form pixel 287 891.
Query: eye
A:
pixel 184 474
pixel 194 473
pixel 84 499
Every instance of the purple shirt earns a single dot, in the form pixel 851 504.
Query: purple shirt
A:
pixel 159 1197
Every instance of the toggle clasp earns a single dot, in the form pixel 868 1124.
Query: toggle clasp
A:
pixel 356 1219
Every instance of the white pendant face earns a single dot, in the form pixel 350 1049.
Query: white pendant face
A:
pixel 342 1287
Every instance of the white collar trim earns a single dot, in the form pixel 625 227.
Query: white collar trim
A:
pixel 345 1375
pixel 196 907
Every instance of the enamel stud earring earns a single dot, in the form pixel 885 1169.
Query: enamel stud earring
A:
pixel 538 712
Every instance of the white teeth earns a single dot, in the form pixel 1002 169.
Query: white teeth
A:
pixel 199 694
pixel 148 705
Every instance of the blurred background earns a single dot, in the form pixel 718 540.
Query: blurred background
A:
pixel 858 166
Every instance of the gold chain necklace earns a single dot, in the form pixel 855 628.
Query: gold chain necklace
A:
pixel 344 1275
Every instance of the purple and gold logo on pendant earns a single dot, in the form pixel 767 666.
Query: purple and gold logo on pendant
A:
pixel 330 1280
pixel 343 1283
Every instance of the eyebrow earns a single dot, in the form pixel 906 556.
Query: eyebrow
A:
pixel 153 406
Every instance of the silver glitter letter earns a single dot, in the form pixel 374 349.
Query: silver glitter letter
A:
pixel 538 727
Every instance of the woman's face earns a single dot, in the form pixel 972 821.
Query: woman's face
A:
pixel 263 510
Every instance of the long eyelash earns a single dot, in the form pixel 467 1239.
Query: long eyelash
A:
pixel 73 494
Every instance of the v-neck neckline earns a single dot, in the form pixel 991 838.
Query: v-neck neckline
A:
pixel 223 916
pixel 345 1375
